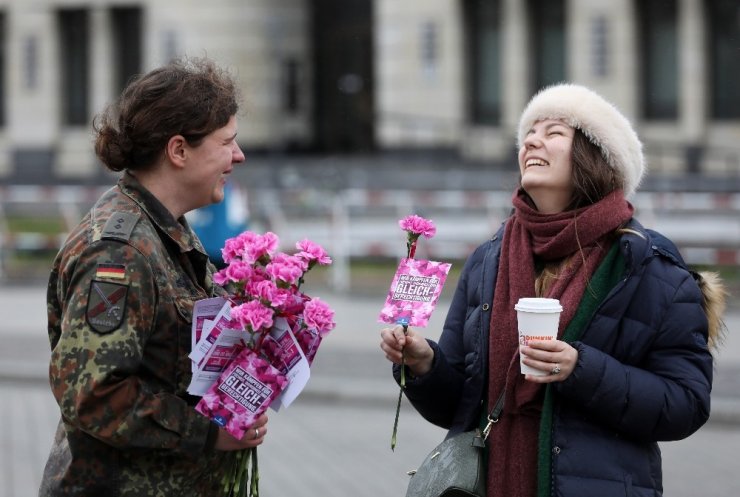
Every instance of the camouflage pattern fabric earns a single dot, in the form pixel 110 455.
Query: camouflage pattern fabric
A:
pixel 120 301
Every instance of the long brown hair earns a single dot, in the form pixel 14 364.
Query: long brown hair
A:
pixel 593 179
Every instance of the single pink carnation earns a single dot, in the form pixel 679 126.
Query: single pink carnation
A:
pixel 253 316
pixel 239 271
pixel 310 252
pixel 235 248
pixel 220 278
pixel 286 268
pixel 261 246
pixel 268 292
pixel 416 225
pixel 319 316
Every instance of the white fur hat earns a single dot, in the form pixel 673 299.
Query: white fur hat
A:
pixel 599 120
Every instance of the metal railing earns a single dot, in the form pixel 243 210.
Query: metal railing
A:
pixel 360 223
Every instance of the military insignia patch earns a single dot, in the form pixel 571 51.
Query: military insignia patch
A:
pixel 106 305
pixel 120 225
pixel 111 271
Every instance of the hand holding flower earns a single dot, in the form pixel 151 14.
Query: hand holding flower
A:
pixel 254 437
pixel 409 348
pixel 415 227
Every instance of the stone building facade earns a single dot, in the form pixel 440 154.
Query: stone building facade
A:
pixel 364 76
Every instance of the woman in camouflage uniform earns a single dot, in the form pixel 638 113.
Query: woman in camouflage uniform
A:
pixel 121 295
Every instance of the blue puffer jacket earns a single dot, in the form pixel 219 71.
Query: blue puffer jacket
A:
pixel 643 375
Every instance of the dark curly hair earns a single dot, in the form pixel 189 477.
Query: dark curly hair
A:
pixel 190 97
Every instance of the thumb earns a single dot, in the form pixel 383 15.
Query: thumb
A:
pixel 399 334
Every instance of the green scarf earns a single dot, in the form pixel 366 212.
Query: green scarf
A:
pixel 606 276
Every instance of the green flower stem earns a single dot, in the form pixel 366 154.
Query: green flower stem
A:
pixel 255 480
pixel 244 476
pixel 228 480
pixel 400 392
pixel 411 246
pixel 395 422
pixel 239 481
pixel 403 358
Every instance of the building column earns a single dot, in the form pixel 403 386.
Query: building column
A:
pixel 31 89
pixel 692 75
pixel 101 65
pixel 515 63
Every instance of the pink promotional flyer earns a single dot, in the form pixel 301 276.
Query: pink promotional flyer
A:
pixel 414 292
pixel 244 391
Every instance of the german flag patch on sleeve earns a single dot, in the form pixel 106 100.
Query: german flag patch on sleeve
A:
pixel 110 271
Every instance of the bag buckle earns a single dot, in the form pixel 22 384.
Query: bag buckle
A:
pixel 487 429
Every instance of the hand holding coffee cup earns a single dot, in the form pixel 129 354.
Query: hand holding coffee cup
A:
pixel 537 319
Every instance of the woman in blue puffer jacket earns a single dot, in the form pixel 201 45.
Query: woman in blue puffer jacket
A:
pixel 632 364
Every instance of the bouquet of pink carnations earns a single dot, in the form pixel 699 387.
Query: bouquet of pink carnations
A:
pixel 261 342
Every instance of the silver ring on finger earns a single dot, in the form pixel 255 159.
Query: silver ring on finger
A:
pixel 256 433
pixel 556 369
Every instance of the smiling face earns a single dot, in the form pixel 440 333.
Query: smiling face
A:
pixel 545 165
pixel 209 164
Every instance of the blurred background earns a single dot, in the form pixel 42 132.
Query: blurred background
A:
pixel 355 114
pixel 356 111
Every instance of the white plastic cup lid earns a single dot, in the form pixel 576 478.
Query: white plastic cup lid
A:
pixel 533 304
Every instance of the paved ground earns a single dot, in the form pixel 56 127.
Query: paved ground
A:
pixel 336 437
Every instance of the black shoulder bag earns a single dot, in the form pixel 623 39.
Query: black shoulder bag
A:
pixel 456 467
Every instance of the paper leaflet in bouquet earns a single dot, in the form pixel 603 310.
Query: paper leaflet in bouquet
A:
pixel 254 349
pixel 243 392
pixel 242 382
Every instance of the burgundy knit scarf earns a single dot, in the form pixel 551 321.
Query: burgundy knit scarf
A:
pixel 584 234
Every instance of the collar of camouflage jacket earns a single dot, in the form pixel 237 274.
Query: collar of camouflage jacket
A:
pixel 177 229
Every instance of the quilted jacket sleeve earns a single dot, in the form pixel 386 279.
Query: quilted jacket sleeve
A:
pixel 649 378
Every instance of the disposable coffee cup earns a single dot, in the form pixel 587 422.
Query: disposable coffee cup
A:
pixel 537 319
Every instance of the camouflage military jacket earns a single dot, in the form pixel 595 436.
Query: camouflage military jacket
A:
pixel 120 300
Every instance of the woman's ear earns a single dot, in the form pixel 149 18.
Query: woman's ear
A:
pixel 176 150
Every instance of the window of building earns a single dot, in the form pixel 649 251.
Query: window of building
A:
pixel 724 57
pixel 600 46
pixel 483 22
pixel 658 54
pixel 30 64
pixel 74 65
pixel 547 25
pixel 429 49
pixel 126 44
pixel 291 85
pixel 343 73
